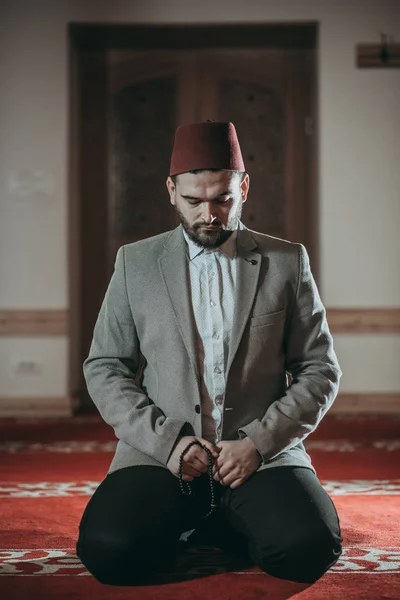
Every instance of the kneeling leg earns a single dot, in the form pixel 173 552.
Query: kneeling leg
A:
pixel 131 525
pixel 290 523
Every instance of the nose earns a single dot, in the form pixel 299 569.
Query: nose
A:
pixel 208 215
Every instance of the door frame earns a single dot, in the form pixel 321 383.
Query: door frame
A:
pixel 88 135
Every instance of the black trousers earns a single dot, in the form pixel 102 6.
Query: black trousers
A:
pixel 281 518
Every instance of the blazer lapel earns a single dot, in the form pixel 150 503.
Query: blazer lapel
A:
pixel 174 272
pixel 246 285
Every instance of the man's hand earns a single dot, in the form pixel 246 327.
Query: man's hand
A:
pixel 195 461
pixel 238 459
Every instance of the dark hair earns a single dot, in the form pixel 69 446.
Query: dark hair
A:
pixel 173 177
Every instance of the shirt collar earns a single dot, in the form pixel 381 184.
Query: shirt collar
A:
pixel 228 247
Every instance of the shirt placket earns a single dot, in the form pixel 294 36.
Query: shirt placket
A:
pixel 217 342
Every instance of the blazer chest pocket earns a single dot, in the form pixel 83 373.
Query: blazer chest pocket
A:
pixel 268 318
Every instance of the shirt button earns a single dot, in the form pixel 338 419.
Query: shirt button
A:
pixel 217 370
pixel 212 303
pixel 216 336
pixel 218 401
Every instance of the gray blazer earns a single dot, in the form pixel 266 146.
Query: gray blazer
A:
pixel 279 327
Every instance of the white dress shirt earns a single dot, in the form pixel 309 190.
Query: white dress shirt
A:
pixel 212 274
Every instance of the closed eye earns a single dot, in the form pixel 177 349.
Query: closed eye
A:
pixel 218 202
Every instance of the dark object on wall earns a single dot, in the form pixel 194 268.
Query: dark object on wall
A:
pixel 383 55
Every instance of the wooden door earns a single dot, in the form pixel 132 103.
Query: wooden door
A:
pixel 130 103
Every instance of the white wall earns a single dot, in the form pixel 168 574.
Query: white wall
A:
pixel 359 185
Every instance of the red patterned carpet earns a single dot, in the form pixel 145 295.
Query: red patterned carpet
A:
pixel 50 467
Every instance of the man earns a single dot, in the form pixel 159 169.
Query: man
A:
pixel 223 316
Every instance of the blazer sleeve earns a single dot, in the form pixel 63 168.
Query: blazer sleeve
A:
pixel 110 370
pixel 312 362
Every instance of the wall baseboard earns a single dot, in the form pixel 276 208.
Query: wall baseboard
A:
pixel 364 320
pixel 367 403
pixel 28 407
pixel 55 322
pixel 31 406
pixel 34 322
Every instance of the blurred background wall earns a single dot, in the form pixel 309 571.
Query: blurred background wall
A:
pixel 358 185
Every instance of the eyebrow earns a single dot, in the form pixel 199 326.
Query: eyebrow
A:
pixel 196 198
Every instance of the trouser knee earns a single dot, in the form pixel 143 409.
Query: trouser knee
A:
pixel 117 564
pixel 302 562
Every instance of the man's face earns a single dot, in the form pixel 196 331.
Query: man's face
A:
pixel 209 198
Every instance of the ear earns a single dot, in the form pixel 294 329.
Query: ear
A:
pixel 171 190
pixel 244 186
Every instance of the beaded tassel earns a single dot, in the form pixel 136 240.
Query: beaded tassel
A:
pixel 188 491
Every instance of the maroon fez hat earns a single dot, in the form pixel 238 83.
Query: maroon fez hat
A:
pixel 206 145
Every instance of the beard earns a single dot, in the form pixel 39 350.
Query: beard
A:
pixel 207 238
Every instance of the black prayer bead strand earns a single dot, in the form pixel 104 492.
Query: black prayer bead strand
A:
pixel 188 490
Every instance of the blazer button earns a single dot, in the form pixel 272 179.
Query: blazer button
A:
pixel 197 408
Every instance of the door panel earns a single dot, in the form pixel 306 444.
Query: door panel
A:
pixel 142 130
pixel 257 112
pixel 265 93
pixel 150 94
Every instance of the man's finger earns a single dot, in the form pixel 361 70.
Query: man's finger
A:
pixel 200 465
pixel 226 480
pixel 237 483
pixel 190 470
pixel 192 466
pixel 223 479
